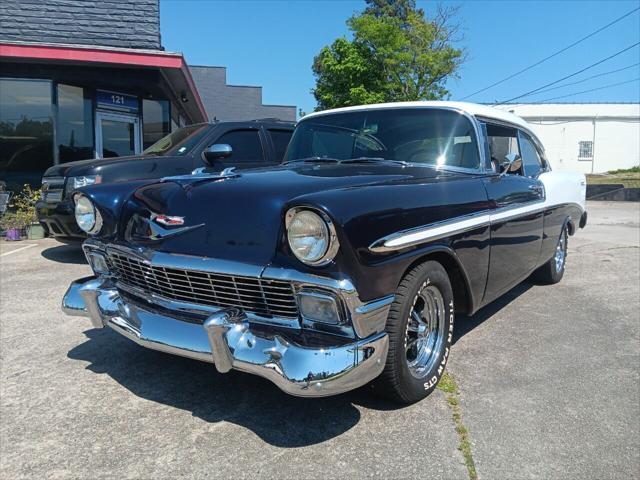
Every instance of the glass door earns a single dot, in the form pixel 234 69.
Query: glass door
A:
pixel 117 135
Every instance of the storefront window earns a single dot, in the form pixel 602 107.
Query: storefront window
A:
pixel 155 121
pixel 26 131
pixel 75 124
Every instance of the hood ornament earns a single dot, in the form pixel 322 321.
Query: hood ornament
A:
pixel 156 227
pixel 168 220
pixel 202 175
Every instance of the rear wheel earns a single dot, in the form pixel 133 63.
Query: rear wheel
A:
pixel 420 328
pixel 553 271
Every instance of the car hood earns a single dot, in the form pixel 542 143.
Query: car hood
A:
pixel 95 166
pixel 241 217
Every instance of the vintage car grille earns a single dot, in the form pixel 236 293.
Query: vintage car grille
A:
pixel 52 189
pixel 269 298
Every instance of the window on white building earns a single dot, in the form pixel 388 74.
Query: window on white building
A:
pixel 585 150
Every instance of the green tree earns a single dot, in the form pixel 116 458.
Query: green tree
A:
pixel 391 8
pixel 396 54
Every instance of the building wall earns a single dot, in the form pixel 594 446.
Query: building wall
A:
pixel 234 102
pixel 613 129
pixel 107 23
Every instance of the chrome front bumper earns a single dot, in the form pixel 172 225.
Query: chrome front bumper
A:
pixel 227 340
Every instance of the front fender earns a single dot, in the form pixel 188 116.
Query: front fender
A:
pixel 110 199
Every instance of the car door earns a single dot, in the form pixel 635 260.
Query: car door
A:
pixel 248 148
pixel 517 214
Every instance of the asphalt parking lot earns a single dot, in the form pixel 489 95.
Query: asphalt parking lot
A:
pixel 548 380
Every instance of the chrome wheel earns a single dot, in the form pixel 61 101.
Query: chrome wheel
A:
pixel 561 253
pixel 425 331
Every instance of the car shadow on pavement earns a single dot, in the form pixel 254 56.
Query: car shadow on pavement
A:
pixel 247 400
pixel 65 253
pixel 465 324
pixel 243 399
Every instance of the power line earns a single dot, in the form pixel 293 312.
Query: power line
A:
pixel 589 78
pixel 591 90
pixel 553 54
pixel 569 76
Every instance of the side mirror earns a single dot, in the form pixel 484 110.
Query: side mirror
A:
pixel 217 151
pixel 512 163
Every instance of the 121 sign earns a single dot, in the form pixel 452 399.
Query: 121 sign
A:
pixel 116 101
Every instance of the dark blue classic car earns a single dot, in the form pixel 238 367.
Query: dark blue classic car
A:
pixel 345 264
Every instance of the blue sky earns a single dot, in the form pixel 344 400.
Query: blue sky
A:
pixel 272 44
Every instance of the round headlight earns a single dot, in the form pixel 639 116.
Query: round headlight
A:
pixel 311 237
pixel 87 216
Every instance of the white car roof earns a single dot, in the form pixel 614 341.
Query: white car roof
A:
pixel 470 108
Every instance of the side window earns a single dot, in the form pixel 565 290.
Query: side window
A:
pixel 502 141
pixel 245 144
pixel 530 158
pixel 280 139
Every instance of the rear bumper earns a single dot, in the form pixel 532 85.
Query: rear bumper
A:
pixel 59 221
pixel 227 339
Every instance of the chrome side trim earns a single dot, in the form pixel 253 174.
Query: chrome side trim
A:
pixel 446 228
pixel 431 232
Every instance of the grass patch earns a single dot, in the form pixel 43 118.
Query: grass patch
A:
pixel 626 170
pixel 630 178
pixel 448 385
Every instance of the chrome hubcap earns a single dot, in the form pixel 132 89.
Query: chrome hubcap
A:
pixel 425 331
pixel 560 252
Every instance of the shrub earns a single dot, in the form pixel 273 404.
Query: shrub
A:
pixel 22 209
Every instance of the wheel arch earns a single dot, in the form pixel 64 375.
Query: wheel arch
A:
pixel 446 257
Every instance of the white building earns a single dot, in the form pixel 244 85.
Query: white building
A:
pixel 585 137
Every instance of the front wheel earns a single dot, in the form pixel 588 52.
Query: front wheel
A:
pixel 420 329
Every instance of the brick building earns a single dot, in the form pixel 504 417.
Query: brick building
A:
pixel 84 79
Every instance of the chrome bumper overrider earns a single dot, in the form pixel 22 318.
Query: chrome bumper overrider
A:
pixel 227 340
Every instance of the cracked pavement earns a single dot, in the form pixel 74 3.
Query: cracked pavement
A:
pixel 548 381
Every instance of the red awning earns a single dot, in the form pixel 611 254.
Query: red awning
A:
pixel 171 64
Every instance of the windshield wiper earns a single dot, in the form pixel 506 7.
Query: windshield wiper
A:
pixel 373 160
pixel 311 160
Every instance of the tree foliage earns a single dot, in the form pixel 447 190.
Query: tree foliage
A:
pixel 396 54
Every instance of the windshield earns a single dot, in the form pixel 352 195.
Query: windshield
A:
pixel 178 143
pixel 415 135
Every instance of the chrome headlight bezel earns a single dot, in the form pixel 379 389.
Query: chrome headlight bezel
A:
pixel 331 237
pixel 87 216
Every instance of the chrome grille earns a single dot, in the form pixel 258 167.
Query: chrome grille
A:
pixel 268 298
pixel 52 189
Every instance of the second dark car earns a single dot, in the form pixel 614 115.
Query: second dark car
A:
pixel 209 146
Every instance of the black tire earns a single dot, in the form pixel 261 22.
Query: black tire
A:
pixel 397 381
pixel 553 271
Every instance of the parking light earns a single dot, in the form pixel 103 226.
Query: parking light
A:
pixel 318 307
